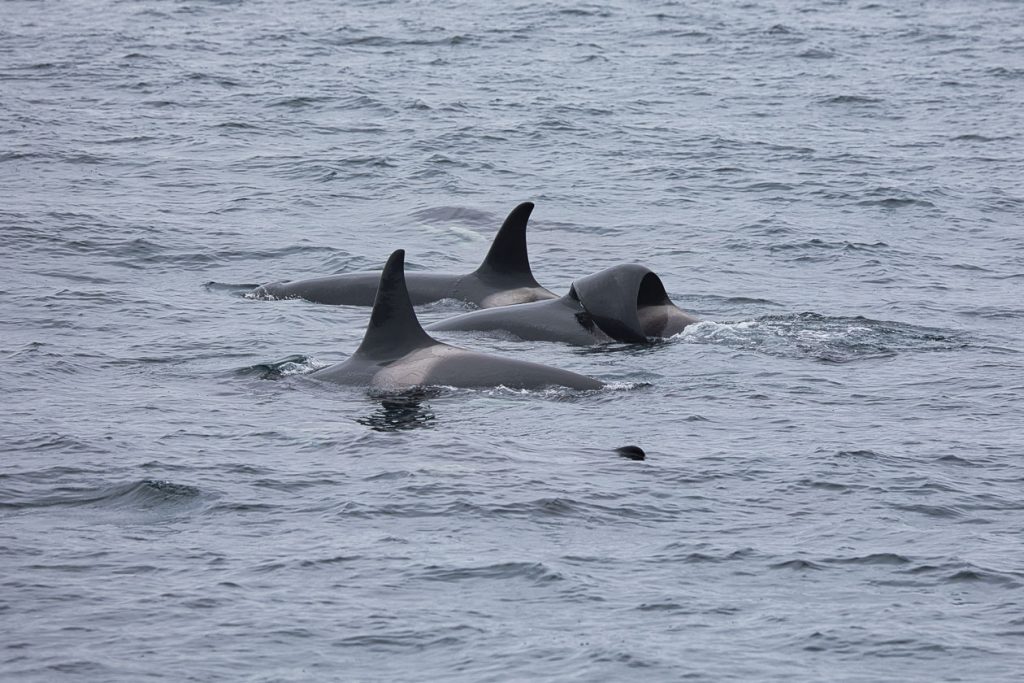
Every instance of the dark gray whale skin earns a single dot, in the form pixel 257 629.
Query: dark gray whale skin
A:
pixel 396 354
pixel 625 303
pixel 560 320
pixel 504 278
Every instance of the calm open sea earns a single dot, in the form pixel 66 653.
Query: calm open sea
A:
pixel 833 488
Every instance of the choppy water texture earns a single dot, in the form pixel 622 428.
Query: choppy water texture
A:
pixel 833 488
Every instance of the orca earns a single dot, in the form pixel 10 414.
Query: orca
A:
pixel 396 354
pixel 625 303
pixel 504 278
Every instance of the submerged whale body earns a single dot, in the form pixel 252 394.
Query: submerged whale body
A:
pixel 504 278
pixel 626 303
pixel 397 354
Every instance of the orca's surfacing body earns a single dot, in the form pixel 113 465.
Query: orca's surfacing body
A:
pixel 626 303
pixel 504 278
pixel 397 354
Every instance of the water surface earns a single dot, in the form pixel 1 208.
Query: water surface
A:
pixel 833 481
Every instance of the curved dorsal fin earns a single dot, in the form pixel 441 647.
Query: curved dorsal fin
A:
pixel 507 256
pixel 613 295
pixel 394 329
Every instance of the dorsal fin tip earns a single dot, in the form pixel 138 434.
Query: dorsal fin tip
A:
pixel 508 254
pixel 393 329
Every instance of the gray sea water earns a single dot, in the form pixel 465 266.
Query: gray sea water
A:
pixel 833 487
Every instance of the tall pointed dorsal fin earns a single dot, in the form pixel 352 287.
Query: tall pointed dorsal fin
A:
pixel 508 256
pixel 394 329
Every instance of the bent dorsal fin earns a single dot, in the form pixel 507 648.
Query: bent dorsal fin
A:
pixel 394 329
pixel 612 298
pixel 507 256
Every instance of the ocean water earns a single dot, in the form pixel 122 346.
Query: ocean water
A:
pixel 834 473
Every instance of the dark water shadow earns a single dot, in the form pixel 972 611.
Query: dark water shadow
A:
pixel 652 345
pixel 401 412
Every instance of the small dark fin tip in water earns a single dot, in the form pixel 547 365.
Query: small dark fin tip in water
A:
pixel 631 452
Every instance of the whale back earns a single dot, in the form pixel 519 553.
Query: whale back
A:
pixel 397 354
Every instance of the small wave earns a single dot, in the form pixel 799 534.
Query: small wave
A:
pixel 328 561
pixel 825 485
pixel 974 137
pixel 817 53
pixel 237 125
pixel 299 101
pixel 737 300
pixel 161 104
pixel 402 410
pixel 143 495
pixel 239 290
pixel 580 12
pixel 535 572
pixel 627 386
pixel 943 511
pixel 992 313
pixel 551 392
pixel 541 511
pixel 554 123
pixel 968 267
pixel 828 339
pixel 446 306
pixel 341 168
pixel 707 558
pixel 873 558
pixel 851 99
pixel 546 509
pixel 203 77
pixel 660 607
pixel 235 507
pixel 130 253
pixel 1004 72
pixel 60 443
pixel 18 156
pixel 404 640
pixel 128 139
pixel 785 34
pixel 817 244
pixel 959 571
pixel 861 454
pixel 151 493
pixel 291 365
pixel 388 42
pixel 73 157
pixel 958 461
pixel 983 576
pixel 797 565
pixel 768 186
pixel 259 294
pixel 896 202
pixel 458 214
